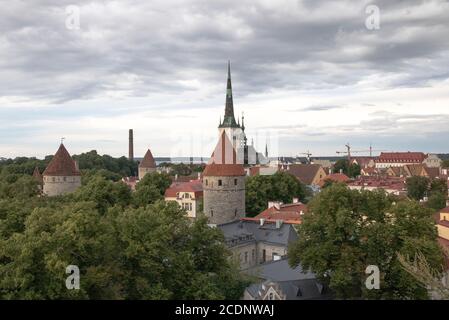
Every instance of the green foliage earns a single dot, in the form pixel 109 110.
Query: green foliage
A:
pixel 437 201
pixel 417 187
pixel 104 193
pixel 182 169
pixel 438 186
pixel 445 164
pixel 92 160
pixel 343 166
pixel 281 186
pixel 144 253
pixel 17 186
pixel 347 230
pixel 151 188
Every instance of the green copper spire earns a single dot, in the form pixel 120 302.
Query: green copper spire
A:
pixel 229 119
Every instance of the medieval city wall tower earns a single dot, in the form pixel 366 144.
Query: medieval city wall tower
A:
pixel 61 175
pixel 224 184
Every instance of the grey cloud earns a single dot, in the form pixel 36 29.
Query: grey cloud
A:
pixel 159 43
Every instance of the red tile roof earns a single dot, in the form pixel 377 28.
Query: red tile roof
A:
pixel 223 161
pixel 148 161
pixel 405 157
pixel 445 210
pixel 37 175
pixel 62 164
pixel 288 213
pixel 195 186
pixel 336 177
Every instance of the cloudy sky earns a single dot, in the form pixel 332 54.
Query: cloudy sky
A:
pixel 308 75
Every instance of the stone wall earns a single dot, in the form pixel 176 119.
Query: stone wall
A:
pixel 58 185
pixel 224 198
pixel 144 171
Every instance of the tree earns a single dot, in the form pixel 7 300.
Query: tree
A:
pixel 154 252
pixel 151 188
pixel 429 277
pixel 280 186
pixel 347 230
pixel 343 166
pixel 439 186
pixel 417 187
pixel 437 201
pixel 104 193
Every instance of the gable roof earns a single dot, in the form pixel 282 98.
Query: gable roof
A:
pixel 223 161
pixel 240 231
pixel 288 213
pixel 336 177
pixel 148 160
pixel 305 173
pixel 405 157
pixel 62 164
pixel 195 186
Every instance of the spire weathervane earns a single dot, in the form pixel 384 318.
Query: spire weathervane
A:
pixel 62 140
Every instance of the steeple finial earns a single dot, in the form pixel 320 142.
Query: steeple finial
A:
pixel 243 121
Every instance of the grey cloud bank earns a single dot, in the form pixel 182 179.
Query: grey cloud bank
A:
pixel 139 63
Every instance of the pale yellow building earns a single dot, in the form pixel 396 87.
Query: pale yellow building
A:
pixel 189 196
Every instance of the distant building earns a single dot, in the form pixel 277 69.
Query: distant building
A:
pixel 364 162
pixel 413 170
pixel 188 195
pixel 399 159
pixel 442 221
pixel 391 185
pixel 334 177
pixel 277 211
pixel 309 174
pixel 148 165
pixel 433 161
pixel 279 281
pixel 256 242
pixel 61 175
pixel 325 163
pixel 224 184
pixel 39 178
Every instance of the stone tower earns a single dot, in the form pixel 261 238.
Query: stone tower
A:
pixel 61 175
pixel 147 165
pixel 224 184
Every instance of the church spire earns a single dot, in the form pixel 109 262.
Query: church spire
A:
pixel 229 119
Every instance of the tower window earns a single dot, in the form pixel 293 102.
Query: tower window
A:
pixel 220 182
pixel 235 182
pixel 211 212
pixel 235 212
pixel 207 182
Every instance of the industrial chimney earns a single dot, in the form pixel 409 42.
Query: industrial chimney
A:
pixel 131 145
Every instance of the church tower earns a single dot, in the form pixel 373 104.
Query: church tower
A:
pixel 232 128
pixel 224 184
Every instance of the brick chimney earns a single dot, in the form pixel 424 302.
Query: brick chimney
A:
pixel 131 145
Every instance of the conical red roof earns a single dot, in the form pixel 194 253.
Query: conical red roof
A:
pixel 62 164
pixel 148 161
pixel 223 161
pixel 37 175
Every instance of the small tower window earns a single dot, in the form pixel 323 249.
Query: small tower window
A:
pixel 235 212
pixel 207 182
pixel 235 182
pixel 220 182
pixel 211 212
